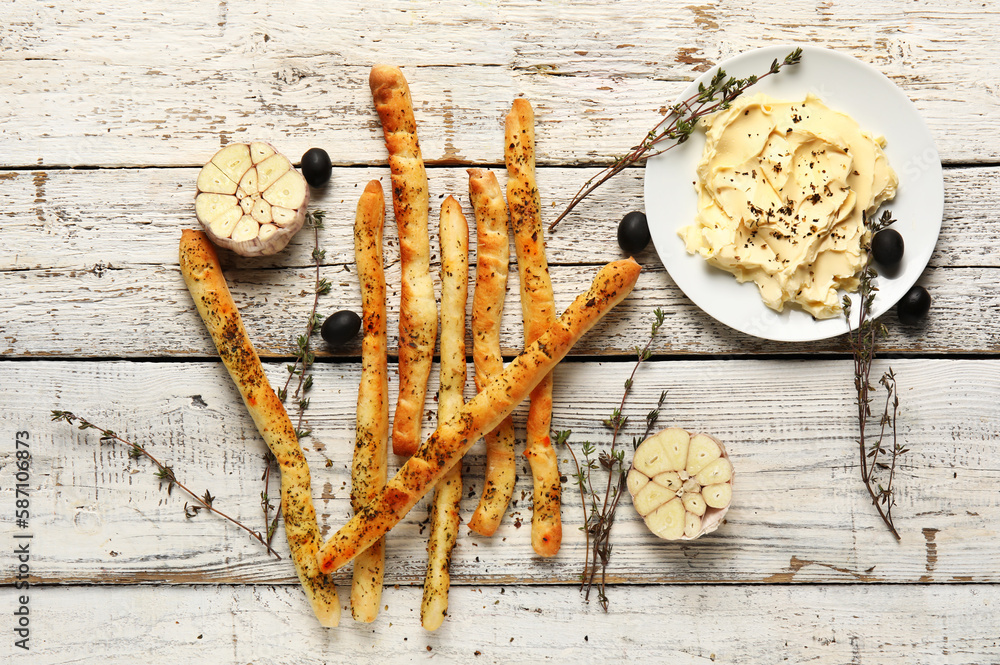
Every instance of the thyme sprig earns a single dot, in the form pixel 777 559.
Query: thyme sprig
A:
pixel 164 472
pixel 270 524
pixel 304 356
pixel 304 359
pixel 599 512
pixel 863 342
pixel 583 482
pixel 679 123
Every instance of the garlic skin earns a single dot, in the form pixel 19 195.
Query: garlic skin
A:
pixel 251 199
pixel 681 484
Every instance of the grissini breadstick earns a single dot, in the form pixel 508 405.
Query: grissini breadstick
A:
pixel 492 258
pixel 479 415
pixel 410 203
pixel 204 279
pixel 448 492
pixel 371 446
pixel 538 312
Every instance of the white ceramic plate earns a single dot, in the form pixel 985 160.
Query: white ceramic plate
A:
pixel 844 84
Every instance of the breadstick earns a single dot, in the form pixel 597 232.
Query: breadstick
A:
pixel 204 279
pixel 418 310
pixel 371 447
pixel 538 312
pixel 492 257
pixel 448 492
pixel 479 415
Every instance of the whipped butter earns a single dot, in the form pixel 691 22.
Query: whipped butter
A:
pixel 783 187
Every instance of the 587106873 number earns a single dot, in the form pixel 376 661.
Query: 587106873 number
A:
pixel 22 500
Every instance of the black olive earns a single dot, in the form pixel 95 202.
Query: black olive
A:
pixel 887 247
pixel 633 232
pixel 914 305
pixel 316 167
pixel 340 327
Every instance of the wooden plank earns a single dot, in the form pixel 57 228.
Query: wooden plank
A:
pixel 800 514
pixel 117 258
pixel 105 96
pixel 128 217
pixel 145 311
pixel 687 625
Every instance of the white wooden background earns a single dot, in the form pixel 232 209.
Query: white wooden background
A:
pixel 105 115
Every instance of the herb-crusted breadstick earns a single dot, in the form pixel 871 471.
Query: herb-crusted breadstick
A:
pixel 492 258
pixel 453 438
pixel 538 312
pixel 204 279
pixel 448 492
pixel 410 203
pixel 371 447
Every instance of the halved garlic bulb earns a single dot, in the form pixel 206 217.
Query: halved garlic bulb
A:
pixel 681 484
pixel 251 199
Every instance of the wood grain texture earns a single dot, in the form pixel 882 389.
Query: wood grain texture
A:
pixel 90 289
pixel 119 218
pixel 237 71
pixel 827 625
pixel 799 512
pixel 142 312
pixel 117 261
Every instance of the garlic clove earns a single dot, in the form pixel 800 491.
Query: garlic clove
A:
pixel 289 191
pixel 694 503
pixel 718 496
pixel 670 480
pixel 212 179
pixel 651 497
pixel 266 231
pixel 210 206
pixel 248 184
pixel 635 481
pixel 233 160
pixel 246 229
pixel 668 521
pixel 261 211
pixel 701 452
pixel 692 525
pixel 260 151
pixel 224 224
pixel 283 216
pixel 271 169
pixel 676 441
pixel 652 459
pixel 718 471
